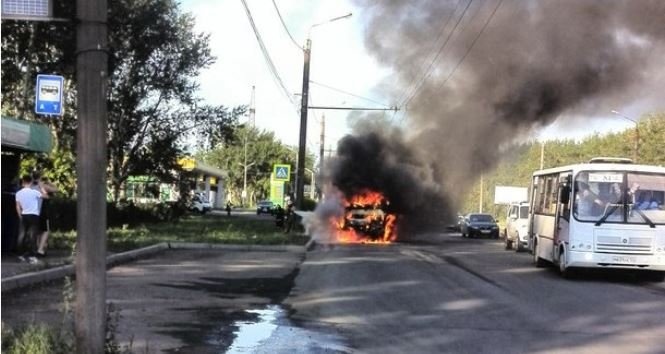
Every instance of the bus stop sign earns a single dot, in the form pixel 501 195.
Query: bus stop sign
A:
pixel 49 95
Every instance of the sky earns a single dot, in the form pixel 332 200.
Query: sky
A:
pixel 339 59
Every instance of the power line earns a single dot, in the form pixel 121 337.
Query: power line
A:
pixel 266 56
pixel 348 93
pixel 429 71
pixel 409 87
pixel 284 25
pixel 472 43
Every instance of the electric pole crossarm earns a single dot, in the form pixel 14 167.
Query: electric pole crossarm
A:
pixel 355 108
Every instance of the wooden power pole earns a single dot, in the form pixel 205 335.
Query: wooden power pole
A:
pixel 91 75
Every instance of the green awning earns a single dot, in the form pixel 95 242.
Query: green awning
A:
pixel 25 135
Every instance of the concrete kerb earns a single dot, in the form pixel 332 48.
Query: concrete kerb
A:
pixel 42 276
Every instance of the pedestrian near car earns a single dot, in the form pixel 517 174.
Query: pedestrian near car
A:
pixel 27 206
pixel 228 209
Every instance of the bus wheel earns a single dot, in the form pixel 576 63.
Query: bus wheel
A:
pixel 509 244
pixel 564 270
pixel 537 261
pixel 518 245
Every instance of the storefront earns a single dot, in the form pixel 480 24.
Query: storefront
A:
pixel 19 138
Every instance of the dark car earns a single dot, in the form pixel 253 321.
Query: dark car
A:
pixel 478 225
pixel 265 207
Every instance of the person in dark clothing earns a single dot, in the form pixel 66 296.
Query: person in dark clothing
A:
pixel 279 216
pixel 228 209
pixel 290 216
pixel 45 214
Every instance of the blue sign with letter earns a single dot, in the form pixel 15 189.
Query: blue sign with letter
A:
pixel 49 94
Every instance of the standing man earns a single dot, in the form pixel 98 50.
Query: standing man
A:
pixel 48 190
pixel 27 206
pixel 290 216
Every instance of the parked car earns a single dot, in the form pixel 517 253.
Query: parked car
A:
pixel 265 207
pixel 477 225
pixel 200 203
pixel 517 226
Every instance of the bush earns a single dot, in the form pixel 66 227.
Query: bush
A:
pixel 308 204
pixel 63 213
pixel 36 339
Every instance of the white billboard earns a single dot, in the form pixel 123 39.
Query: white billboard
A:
pixel 507 194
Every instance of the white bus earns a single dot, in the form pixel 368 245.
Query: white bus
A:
pixel 607 213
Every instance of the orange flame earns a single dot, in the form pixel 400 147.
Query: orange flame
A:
pixel 372 201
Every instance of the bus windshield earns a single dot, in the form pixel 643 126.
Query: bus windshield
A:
pixel 620 197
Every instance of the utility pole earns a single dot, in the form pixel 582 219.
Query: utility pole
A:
pixel 91 162
pixel 250 125
pixel 252 108
pixel 302 145
pixel 322 147
pixel 542 154
pixel 480 203
pixel 636 141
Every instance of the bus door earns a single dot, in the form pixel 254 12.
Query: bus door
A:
pixel 561 221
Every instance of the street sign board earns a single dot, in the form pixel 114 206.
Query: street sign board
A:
pixel 27 9
pixel 282 172
pixel 277 192
pixel 49 94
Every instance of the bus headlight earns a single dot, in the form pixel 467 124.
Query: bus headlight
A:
pixel 581 246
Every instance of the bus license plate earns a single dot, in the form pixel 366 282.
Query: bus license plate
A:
pixel 624 259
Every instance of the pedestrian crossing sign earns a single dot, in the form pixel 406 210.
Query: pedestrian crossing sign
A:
pixel 282 172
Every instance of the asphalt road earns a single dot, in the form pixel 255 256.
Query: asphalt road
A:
pixel 442 294
pixel 451 294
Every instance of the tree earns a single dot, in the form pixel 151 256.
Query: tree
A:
pixel 155 56
pixel 522 160
pixel 263 150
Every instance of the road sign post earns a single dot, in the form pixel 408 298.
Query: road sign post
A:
pixel 49 95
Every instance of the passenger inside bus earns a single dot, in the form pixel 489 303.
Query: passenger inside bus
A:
pixel 587 203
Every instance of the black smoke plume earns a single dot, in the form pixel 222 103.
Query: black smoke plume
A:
pixel 533 63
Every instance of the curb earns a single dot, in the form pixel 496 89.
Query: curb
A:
pixel 32 278
pixel 245 248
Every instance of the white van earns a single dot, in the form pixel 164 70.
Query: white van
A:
pixel 517 226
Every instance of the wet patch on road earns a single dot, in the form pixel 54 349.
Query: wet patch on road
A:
pixel 260 325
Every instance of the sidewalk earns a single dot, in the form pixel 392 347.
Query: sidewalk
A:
pixel 12 266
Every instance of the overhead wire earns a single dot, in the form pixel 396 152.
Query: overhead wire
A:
pixel 266 55
pixel 473 43
pixel 284 25
pixel 429 70
pixel 409 87
pixel 348 93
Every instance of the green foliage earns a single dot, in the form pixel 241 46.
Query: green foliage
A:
pixel 63 215
pixel 36 339
pixel 207 229
pixel 521 161
pixel 155 55
pixel 263 150
pixel 308 204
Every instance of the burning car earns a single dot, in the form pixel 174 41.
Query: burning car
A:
pixel 366 220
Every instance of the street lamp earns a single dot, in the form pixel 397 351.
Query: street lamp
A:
pixel 302 143
pixel 637 134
